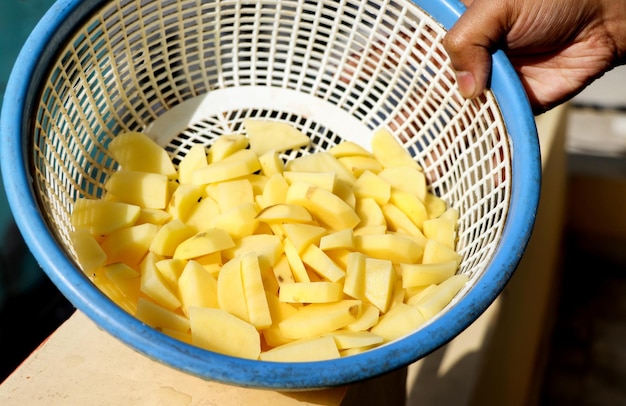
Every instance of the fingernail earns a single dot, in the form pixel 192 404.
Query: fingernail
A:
pixel 466 83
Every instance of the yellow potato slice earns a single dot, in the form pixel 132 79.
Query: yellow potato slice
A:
pixel 303 235
pixel 337 240
pixel 155 286
pixel 440 296
pixel 321 263
pixel 320 318
pixel 120 283
pixel 442 230
pixel 389 152
pixel 241 163
pixel 296 264
pixel 325 180
pixel 90 254
pixel 426 274
pixel 348 148
pixel 194 159
pixel 394 247
pixel 207 242
pixel 285 213
pixel 345 339
pixel 398 221
pixel 435 205
pixel 159 317
pixel 271 163
pixel 129 245
pixel 370 213
pixel 103 217
pixel 410 205
pixel 171 269
pixel 149 190
pixel 436 252
pixel 225 146
pixel 272 135
pixel 368 318
pixel 399 321
pixel 153 216
pixel 254 292
pixel 372 186
pixel 230 292
pixel 232 193
pixel 169 236
pixel 219 331
pixel 354 283
pixel 359 164
pixel 135 151
pixel 183 199
pixel 268 248
pixel 239 221
pixel 311 292
pixel 304 350
pixel 275 191
pixel 197 287
pixel 282 271
pixel 407 179
pixel 325 206
pixel 380 281
pixel 202 214
pixel 321 162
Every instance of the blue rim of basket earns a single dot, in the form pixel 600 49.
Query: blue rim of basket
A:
pixel 14 124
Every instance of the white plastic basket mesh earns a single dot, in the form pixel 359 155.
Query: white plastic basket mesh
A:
pixel 187 71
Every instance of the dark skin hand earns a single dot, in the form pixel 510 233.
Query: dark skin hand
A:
pixel 558 47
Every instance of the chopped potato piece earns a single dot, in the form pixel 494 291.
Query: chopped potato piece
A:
pixel 154 285
pixel 129 245
pixel 267 135
pixel 159 317
pixel 380 280
pixel 345 339
pixel 225 146
pixel 310 292
pixel 285 213
pixel 304 350
pixel 90 254
pixel 135 151
pixel 212 240
pixel 197 287
pixel 389 152
pixel 234 336
pixel 240 163
pixel 401 320
pixel 149 190
pixel 325 206
pixel 195 158
pixel 103 217
pixel 436 299
pixel 231 296
pixel 320 318
pixel 426 274
pixel 254 293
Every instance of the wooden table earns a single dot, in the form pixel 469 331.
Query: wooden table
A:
pixel 493 361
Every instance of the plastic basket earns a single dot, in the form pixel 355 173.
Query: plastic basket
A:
pixel 187 71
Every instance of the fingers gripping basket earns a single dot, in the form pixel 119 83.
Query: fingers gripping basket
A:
pixel 188 71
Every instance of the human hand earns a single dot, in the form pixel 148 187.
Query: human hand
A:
pixel 557 47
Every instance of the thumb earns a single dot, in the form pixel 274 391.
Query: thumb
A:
pixel 470 42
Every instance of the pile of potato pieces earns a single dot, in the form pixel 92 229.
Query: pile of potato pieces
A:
pixel 235 251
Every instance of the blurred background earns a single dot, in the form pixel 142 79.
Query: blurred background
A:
pixel 584 359
pixel 30 306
